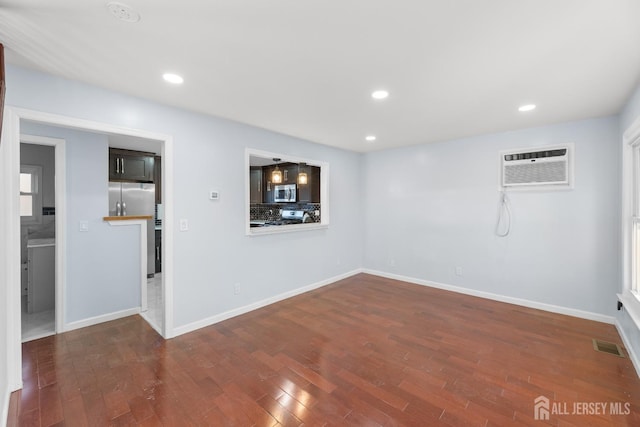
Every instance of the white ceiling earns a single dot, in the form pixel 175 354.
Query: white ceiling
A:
pixel 453 68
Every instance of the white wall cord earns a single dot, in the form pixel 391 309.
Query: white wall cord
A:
pixel 504 216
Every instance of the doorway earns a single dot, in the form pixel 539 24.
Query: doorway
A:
pixel 37 237
pixel 14 118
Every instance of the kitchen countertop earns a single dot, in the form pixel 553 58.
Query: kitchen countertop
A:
pixel 39 243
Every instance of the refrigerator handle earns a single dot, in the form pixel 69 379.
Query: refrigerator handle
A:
pixel 117 165
pixel 124 209
pixel 118 209
pixel 122 164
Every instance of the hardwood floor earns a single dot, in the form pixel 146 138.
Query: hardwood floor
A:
pixel 365 351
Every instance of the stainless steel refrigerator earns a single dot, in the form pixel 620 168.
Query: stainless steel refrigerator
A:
pixel 133 198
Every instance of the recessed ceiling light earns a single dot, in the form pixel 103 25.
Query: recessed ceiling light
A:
pixel 380 94
pixel 528 107
pixel 173 78
pixel 123 12
pixel 370 138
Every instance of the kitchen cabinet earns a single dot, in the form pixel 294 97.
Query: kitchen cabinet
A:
pixel 41 284
pixel 255 183
pixel 267 185
pixel 289 173
pixel 158 253
pixel 310 192
pixel 157 178
pixel 128 165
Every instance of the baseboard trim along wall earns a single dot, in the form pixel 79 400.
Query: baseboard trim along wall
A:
pixel 259 304
pixel 100 319
pixel 627 345
pixel 497 297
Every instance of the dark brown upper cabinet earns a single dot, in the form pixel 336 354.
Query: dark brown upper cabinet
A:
pixel 131 166
pixel 309 192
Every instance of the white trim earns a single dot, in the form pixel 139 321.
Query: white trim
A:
pixel 61 218
pixel 167 236
pixel 324 193
pixel 6 397
pixel 11 143
pixel 631 305
pixel 259 304
pixel 629 347
pixel 631 139
pixel 632 135
pixel 263 231
pixel 496 297
pixel 143 255
pixel 102 318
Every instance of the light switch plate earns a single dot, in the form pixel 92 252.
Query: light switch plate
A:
pixel 83 226
pixel 214 195
pixel 184 225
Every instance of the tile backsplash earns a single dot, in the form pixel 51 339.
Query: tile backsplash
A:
pixel 271 211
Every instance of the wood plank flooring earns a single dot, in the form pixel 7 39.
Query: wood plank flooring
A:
pixel 365 351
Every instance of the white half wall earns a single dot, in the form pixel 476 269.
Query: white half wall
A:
pixel 433 208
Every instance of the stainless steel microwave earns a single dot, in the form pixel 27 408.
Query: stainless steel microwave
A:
pixel 284 193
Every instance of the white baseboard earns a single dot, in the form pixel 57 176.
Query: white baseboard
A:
pixel 497 297
pixel 100 319
pixel 627 345
pixel 6 395
pixel 259 304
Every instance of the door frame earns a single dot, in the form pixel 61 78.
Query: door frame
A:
pixel 11 143
pixel 61 219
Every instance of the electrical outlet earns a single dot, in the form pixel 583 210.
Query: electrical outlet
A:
pixel 184 225
pixel 214 195
pixel 236 288
pixel 459 271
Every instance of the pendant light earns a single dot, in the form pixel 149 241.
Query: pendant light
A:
pixel 276 175
pixel 302 176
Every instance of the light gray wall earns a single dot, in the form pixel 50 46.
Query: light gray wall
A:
pixel 209 155
pixel 103 264
pixel 433 207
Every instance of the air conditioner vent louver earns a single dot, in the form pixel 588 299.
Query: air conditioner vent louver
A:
pixel 540 173
pixel 546 167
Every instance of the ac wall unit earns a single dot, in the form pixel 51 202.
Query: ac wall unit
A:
pixel 548 167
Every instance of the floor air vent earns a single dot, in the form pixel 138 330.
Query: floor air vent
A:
pixel 607 347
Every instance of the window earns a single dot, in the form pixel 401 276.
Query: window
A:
pixel 630 295
pixel 285 193
pixel 30 194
